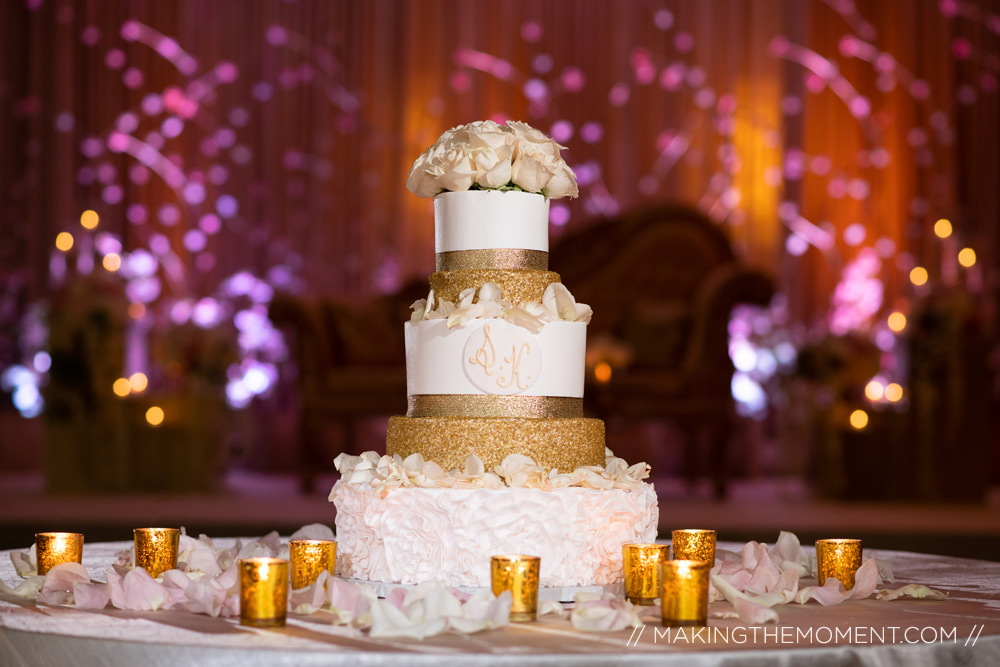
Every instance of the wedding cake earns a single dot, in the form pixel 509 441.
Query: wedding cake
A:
pixel 494 454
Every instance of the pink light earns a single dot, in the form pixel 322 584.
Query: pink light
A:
pixel 684 42
pixel 663 19
pixel 591 132
pixel 618 95
pixel 532 31
pixel 562 131
pixel 573 79
pixel 132 78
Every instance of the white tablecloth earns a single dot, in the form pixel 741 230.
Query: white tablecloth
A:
pixel 871 632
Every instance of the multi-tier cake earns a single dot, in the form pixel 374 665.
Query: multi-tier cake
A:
pixel 495 362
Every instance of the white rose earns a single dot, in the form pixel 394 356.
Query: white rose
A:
pixel 562 183
pixel 531 169
pixel 525 134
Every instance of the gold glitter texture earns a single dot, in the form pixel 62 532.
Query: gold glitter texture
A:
pixel 53 549
pixel 516 286
pixel 492 258
pixel 493 406
pixel 838 558
pixel 564 444
pixel 263 592
pixel 519 575
pixel 156 549
pixel 694 544
pixel 684 592
pixel 309 558
pixel 642 571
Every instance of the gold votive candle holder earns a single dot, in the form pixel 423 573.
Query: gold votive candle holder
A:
pixel 263 592
pixel 838 558
pixel 156 549
pixel 694 544
pixel 309 558
pixel 519 575
pixel 52 549
pixel 642 571
pixel 684 592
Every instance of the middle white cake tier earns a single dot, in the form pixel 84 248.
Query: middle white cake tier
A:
pixel 495 357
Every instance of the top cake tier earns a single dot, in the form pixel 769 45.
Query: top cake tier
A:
pixel 490 229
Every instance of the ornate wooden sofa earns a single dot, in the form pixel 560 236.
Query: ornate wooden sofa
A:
pixel 662 283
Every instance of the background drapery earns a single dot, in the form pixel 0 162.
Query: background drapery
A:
pixel 308 114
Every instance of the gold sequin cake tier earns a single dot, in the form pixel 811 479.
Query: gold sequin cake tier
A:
pixel 565 444
pixel 516 285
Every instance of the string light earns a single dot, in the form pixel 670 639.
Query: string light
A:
pixel 112 261
pixel 918 276
pixel 967 257
pixel 893 392
pixel 943 228
pixel 154 415
pixel 89 219
pixel 122 387
pixel 897 321
pixel 138 382
pixel 859 419
pixel 64 241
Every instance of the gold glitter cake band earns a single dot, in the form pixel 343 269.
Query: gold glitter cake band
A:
pixel 564 444
pixel 492 258
pixel 489 405
pixel 516 286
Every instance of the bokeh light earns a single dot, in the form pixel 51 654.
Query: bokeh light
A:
pixel 874 390
pixel 64 241
pixel 154 415
pixel 893 392
pixel 112 261
pixel 89 219
pixel 138 382
pixel 859 419
pixel 602 372
pixel 896 321
pixel 122 387
pixel 967 257
pixel 942 228
pixel 918 276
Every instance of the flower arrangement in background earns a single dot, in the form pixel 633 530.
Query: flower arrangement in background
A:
pixel 488 156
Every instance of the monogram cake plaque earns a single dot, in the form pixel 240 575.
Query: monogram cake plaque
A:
pixel 502 358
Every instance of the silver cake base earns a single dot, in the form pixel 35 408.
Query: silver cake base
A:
pixel 557 593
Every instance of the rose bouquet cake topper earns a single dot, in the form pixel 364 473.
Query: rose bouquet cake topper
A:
pixel 488 156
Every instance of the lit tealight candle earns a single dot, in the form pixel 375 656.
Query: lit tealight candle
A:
pixel 156 549
pixel 519 575
pixel 642 571
pixel 684 592
pixel 52 549
pixel 694 544
pixel 309 558
pixel 263 592
pixel 839 559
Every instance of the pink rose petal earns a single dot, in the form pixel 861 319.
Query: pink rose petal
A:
pixel 91 596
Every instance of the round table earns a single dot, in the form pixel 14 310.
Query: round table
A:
pixel 964 629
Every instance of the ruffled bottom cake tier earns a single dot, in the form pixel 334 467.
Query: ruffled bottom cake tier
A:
pixel 564 444
pixel 413 535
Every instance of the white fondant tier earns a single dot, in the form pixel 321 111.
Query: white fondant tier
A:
pixel 417 534
pixel 490 219
pixel 473 359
